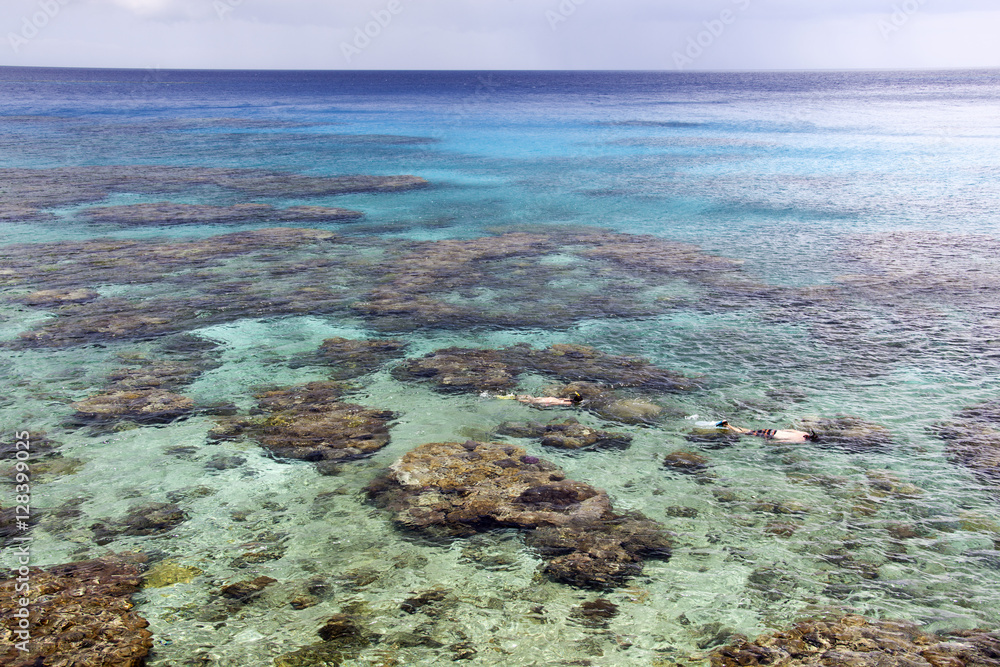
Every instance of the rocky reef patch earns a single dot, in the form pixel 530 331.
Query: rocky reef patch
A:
pixel 552 279
pixel 161 214
pixel 568 434
pixel 497 370
pixel 79 614
pixel 143 393
pixel 311 423
pixel 348 359
pixel 973 438
pixel 27 192
pixel 859 642
pixel 460 489
pixel 173 286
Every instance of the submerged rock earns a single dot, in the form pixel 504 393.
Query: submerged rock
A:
pixel 464 369
pixel 311 423
pixel 168 286
pixel 443 283
pixel 595 613
pixel 688 462
pixel 169 213
pixel 169 572
pixel 569 434
pixel 853 640
pixel 149 406
pixel 973 439
pixel 469 369
pixel 184 284
pixel 59 297
pixel 609 404
pixel 15 524
pixel 630 411
pixel 354 358
pixel 343 639
pixel 572 363
pixel 155 374
pixel 45 188
pixel 247 590
pixel 147 519
pixel 78 614
pixel 845 432
pixel 425 599
pixel 143 393
pixel 463 489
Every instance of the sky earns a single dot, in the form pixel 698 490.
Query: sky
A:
pixel 502 34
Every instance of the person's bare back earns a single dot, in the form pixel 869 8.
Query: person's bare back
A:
pixel 779 435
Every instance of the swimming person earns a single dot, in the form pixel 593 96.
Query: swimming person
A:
pixel 779 435
pixel 543 401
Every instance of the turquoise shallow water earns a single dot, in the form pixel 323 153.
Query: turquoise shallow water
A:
pixel 862 209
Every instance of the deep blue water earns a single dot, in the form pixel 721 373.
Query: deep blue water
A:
pixel 880 190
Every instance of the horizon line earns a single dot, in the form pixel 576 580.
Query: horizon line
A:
pixel 982 68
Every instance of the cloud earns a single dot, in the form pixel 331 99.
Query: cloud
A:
pixel 506 34
pixel 156 10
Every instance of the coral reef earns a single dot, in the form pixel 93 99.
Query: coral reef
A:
pixel 169 572
pixel 35 189
pixel 552 280
pixel 184 285
pixel 42 453
pixel 343 639
pixel 147 519
pixel 443 283
pixel 689 462
pixel 79 614
pixel 610 404
pixel 460 489
pixel 859 642
pixel 353 358
pixel 464 369
pixel 478 370
pixel 311 423
pixel 849 433
pixel 595 613
pixel 162 214
pixel 973 439
pixel 180 285
pixel 935 264
pixel 571 363
pixel 245 591
pixel 148 406
pixel 569 434
pixel 143 393
pixel 58 297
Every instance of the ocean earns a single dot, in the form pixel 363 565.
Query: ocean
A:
pixel 812 250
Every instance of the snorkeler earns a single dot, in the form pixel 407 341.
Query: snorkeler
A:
pixel 779 435
pixel 542 401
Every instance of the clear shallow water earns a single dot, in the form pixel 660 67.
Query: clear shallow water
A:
pixel 879 187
